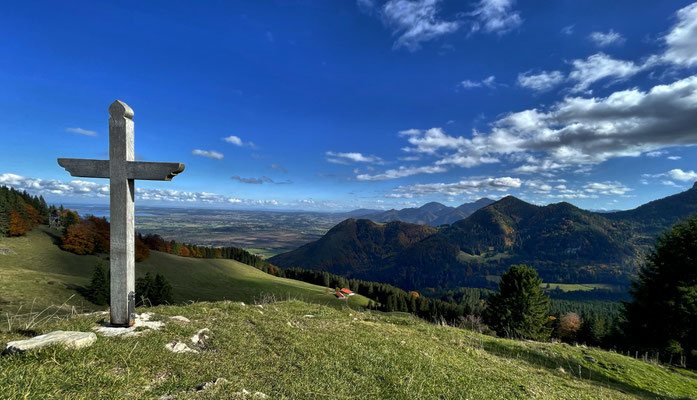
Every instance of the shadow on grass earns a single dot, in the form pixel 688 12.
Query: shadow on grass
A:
pixel 55 235
pixel 574 367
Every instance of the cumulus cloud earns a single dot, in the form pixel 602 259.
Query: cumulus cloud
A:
pixel 591 190
pixel 208 153
pixel 681 175
pixel 401 172
pixel 81 131
pixel 346 158
pixel 415 21
pixel 606 188
pixel 576 130
pixel 603 39
pixel 681 46
pixel 495 16
pixel 489 82
pixel 598 67
pixel 674 158
pixel 465 186
pixel 237 141
pixel 540 82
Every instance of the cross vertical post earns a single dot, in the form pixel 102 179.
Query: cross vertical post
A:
pixel 122 171
pixel 122 215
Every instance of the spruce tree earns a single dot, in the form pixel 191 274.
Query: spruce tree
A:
pixel 163 291
pixel 663 311
pixel 145 288
pixel 520 308
pixel 98 290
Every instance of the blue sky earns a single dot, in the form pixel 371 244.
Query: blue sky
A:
pixel 332 105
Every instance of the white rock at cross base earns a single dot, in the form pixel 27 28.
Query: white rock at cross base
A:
pixel 69 339
pixel 142 321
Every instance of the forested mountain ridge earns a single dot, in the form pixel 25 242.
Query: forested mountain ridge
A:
pixel 563 242
pixel 355 247
pixel 433 213
pixel 655 216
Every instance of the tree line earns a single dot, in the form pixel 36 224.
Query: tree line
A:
pixel 20 211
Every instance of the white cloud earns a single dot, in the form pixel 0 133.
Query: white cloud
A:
pixel 465 186
pixel 80 188
pixel 489 82
pixel 208 153
pixel 603 39
pixel 415 21
pixel 598 67
pixel 495 16
pixel 540 82
pixel 81 131
pixel 655 154
pixel 540 187
pixel 683 176
pixel 674 158
pixel 237 141
pixel 680 41
pixel 401 172
pixel 576 131
pixel 346 158
pixel 568 30
pixel 606 188
pixel 430 140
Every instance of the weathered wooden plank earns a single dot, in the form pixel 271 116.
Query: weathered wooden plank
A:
pixel 85 168
pixel 153 171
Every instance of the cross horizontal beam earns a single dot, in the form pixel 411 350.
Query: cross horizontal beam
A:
pixel 152 171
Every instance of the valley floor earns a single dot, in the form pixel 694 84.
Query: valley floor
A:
pixel 299 350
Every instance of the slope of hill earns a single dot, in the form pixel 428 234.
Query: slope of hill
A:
pixel 564 243
pixel 434 213
pixel 40 274
pixel 355 247
pixel 653 217
pixel 296 350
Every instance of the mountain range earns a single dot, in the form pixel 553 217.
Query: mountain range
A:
pixel 563 242
pixel 433 214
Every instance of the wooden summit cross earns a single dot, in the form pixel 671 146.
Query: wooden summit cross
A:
pixel 122 170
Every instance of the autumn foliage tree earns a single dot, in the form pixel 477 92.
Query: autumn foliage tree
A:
pixel 569 324
pixel 20 212
pixel 18 225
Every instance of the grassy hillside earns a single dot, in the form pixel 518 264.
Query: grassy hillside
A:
pixel 43 274
pixel 298 350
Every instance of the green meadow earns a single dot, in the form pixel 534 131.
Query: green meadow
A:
pixel 41 275
pixel 300 350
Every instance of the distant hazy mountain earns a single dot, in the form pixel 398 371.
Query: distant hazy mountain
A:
pixel 563 242
pixel 434 213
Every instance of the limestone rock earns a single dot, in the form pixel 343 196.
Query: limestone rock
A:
pixel 181 319
pixel 69 339
pixel 202 337
pixel 142 324
pixel 179 347
pixel 212 384
pixel 4 251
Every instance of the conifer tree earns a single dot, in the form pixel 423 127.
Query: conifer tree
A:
pixel 98 290
pixel 663 311
pixel 520 308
